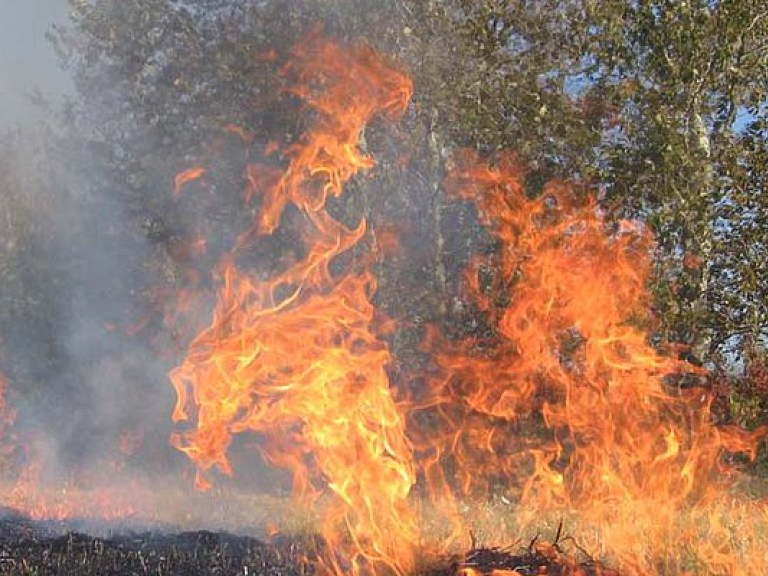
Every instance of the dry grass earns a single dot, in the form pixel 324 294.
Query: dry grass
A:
pixel 730 537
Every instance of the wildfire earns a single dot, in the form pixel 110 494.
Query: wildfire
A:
pixel 294 358
pixel 566 409
pixel 559 409
pixel 571 408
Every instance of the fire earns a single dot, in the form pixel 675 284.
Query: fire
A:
pixel 567 408
pixel 295 358
pixel 561 409
pixel 184 178
pixel 570 409
pixel 245 135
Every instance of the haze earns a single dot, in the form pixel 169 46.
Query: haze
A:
pixel 28 63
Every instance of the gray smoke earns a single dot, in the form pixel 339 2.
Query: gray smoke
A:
pixel 79 324
pixel 93 400
pixel 28 65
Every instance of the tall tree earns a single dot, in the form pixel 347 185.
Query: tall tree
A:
pixel 660 106
pixel 689 77
pixel 663 106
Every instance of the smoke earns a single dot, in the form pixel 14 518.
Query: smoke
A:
pixel 85 282
pixel 29 70
pixel 90 392
pixel 83 338
pixel 73 288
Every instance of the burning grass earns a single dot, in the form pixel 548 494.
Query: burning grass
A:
pixel 565 407
pixel 729 538
pixel 500 543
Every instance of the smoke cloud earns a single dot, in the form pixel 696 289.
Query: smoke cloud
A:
pixel 28 64
pixel 91 396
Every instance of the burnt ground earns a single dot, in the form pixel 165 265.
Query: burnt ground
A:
pixel 48 548
pixel 493 561
pixel 41 549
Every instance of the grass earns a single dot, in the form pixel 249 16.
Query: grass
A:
pixel 728 538
pixel 186 553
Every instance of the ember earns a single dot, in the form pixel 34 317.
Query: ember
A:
pixel 542 558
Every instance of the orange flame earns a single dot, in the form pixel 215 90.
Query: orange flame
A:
pixel 571 409
pixel 294 358
pixel 245 135
pixel 185 177
pixel 567 407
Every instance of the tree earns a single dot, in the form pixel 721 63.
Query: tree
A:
pixel 659 107
pixel 688 71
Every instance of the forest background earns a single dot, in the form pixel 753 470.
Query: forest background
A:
pixel 658 109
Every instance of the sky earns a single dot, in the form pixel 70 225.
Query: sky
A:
pixel 27 60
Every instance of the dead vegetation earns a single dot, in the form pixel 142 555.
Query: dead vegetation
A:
pixel 27 549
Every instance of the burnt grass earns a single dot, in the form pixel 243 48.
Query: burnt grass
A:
pixel 48 548
pixel 37 548
pixel 491 561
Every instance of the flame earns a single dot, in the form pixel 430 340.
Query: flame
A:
pixel 571 409
pixel 565 409
pixel 295 358
pixel 185 177
pixel 562 408
pixel 245 135
pixel 33 498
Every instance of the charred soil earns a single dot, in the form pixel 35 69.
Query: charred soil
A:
pixel 28 547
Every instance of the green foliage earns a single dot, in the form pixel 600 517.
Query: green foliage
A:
pixel 662 106
pixel 748 393
pixel 658 107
